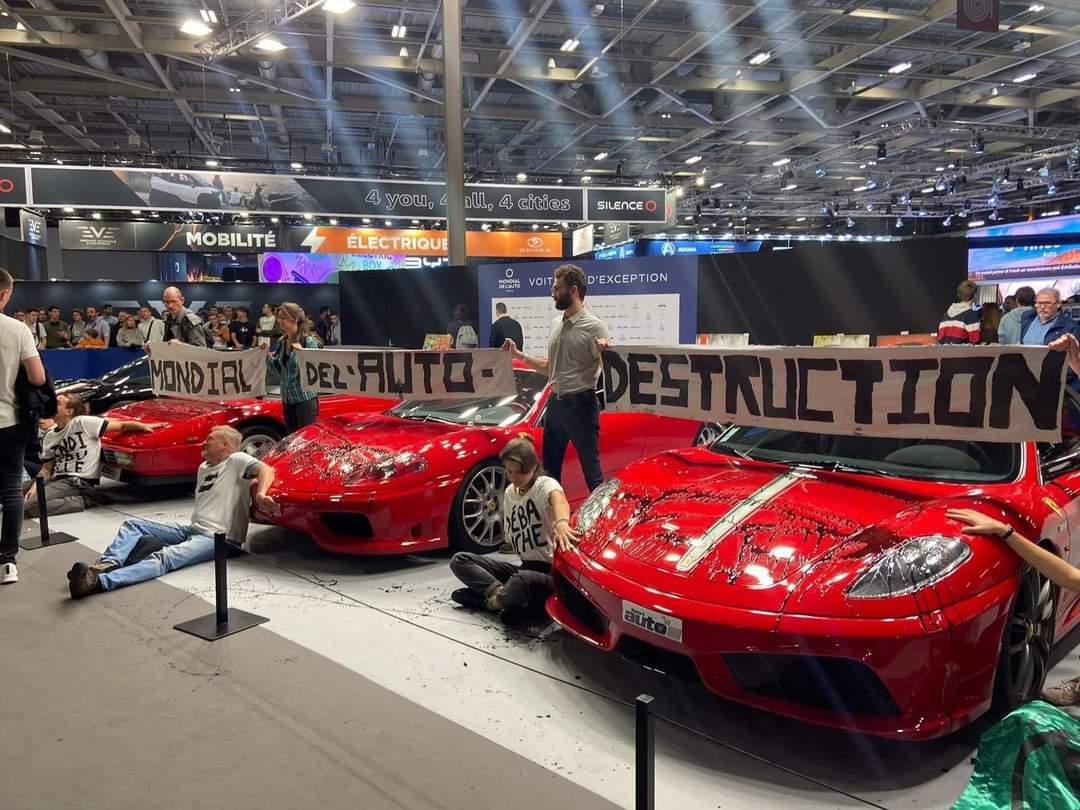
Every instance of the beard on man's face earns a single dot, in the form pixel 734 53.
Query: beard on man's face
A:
pixel 563 300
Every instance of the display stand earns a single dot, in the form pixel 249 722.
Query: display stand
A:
pixel 224 621
pixel 644 755
pixel 43 538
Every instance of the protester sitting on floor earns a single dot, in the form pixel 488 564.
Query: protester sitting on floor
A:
pixel 222 503
pixel 536 516
pixel 71 453
pixel 1049 565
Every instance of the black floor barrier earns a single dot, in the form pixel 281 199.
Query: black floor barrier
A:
pixel 44 538
pixel 644 755
pixel 224 621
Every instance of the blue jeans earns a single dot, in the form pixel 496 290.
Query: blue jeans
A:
pixel 184 546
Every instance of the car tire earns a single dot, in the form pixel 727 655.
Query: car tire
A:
pixel 706 434
pixel 1025 646
pixel 476 514
pixel 255 440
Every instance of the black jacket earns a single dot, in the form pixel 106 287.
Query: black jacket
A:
pixel 503 328
pixel 34 403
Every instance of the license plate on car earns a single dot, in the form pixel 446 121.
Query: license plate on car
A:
pixel 110 471
pixel 659 624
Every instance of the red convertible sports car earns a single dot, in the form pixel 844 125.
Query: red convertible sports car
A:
pixel 426 475
pixel 173 453
pixel 817 576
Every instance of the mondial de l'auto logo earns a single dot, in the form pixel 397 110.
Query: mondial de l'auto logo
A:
pixel 231 239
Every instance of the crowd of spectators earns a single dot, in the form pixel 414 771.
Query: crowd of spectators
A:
pixel 1028 317
pixel 225 328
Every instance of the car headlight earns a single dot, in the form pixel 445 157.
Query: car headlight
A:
pixel 399 464
pixel 596 503
pixel 916 564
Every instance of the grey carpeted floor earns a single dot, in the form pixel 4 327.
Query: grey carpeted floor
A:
pixel 104 705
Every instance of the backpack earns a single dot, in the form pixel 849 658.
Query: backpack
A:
pixel 466 337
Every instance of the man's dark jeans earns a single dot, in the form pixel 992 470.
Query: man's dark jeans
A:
pixel 12 452
pixel 573 418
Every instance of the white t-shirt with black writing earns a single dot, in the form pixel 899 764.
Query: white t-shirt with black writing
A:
pixel 223 496
pixel 75 449
pixel 528 519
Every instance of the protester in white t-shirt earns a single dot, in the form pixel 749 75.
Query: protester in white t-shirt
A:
pixel 17 350
pixel 536 520
pixel 146 549
pixel 71 452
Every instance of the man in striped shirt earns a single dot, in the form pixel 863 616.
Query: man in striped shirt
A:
pixel 962 321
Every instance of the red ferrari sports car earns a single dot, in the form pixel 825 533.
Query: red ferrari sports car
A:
pixel 172 454
pixel 426 475
pixel 817 576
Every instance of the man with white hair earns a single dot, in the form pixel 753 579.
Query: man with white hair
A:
pixel 181 324
pixel 146 549
pixel 1046 322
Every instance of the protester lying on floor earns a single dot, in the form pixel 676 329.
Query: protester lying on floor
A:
pixel 536 515
pixel 146 549
pixel 1049 565
pixel 71 456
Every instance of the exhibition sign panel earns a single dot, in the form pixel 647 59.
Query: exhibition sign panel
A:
pixel 978 393
pixel 415 242
pixel 408 374
pixel 325 268
pixel 643 301
pixel 231 192
pixel 189 372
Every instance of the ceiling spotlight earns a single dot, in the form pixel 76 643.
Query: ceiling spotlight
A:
pixel 1035 8
pixel 947 222
pixel 850 223
pixel 1051 190
pixel 882 151
pixel 569 46
pixel 95 215
pixel 781 162
pixel 274 220
pixel 522 177
pixel 155 214
pixel 339 6
pixel 899 222
pixel 790 187
pixel 136 211
pixel 871 184
pixel 601 156
pixel 551 63
pixel 993 216
pixel 398 32
pixel 586 179
pixel 211 164
pixel 1027 77
pixel 296 167
pixel 307 217
pixel 208 15
pixel 333 222
pixel 234 90
pixel 404 52
pixel 699 180
pixel 690 161
pixel 760 58
pixel 665 115
pixel 903 67
pixel 366 220
pixel 979 145
pixel 820 172
pixel 195 28
pixel 5 129
pixel 388 223
pixel 270 45
pixel 68 209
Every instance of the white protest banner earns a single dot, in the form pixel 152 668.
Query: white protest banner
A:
pixel 189 372
pixel 408 374
pixel 977 393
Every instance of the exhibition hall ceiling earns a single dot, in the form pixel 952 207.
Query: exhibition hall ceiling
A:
pixel 775 110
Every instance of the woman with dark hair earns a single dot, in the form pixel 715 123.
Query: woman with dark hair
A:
pixel 300 407
pixel 72 455
pixel 536 518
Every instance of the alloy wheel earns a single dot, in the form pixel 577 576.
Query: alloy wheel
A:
pixel 481 508
pixel 1030 635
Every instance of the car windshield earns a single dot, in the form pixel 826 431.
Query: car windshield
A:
pixel 927 459
pixel 489 411
pixel 135 371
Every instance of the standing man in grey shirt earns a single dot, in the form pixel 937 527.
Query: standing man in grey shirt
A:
pixel 181 324
pixel 573 366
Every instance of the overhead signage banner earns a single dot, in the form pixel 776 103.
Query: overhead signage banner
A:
pixel 643 301
pixel 31 227
pixel 189 372
pixel 416 242
pixel 88 234
pixel 13 186
pixel 984 393
pixel 325 268
pixel 104 188
pixel 699 247
pixel 413 375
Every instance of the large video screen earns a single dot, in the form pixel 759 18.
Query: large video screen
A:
pixel 323 268
pixel 1045 247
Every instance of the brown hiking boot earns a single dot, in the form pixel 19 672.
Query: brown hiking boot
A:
pixel 83 581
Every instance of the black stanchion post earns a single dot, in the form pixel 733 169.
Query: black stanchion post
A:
pixel 644 756
pixel 224 621
pixel 44 537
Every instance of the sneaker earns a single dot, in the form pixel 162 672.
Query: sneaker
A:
pixel 466 597
pixel 83 581
pixel 1066 693
pixel 9 574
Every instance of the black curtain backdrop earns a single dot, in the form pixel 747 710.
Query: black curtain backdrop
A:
pixel 399 307
pixel 129 294
pixel 786 297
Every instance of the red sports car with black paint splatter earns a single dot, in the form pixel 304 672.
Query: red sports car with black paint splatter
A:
pixel 426 475
pixel 817 576
pixel 172 454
